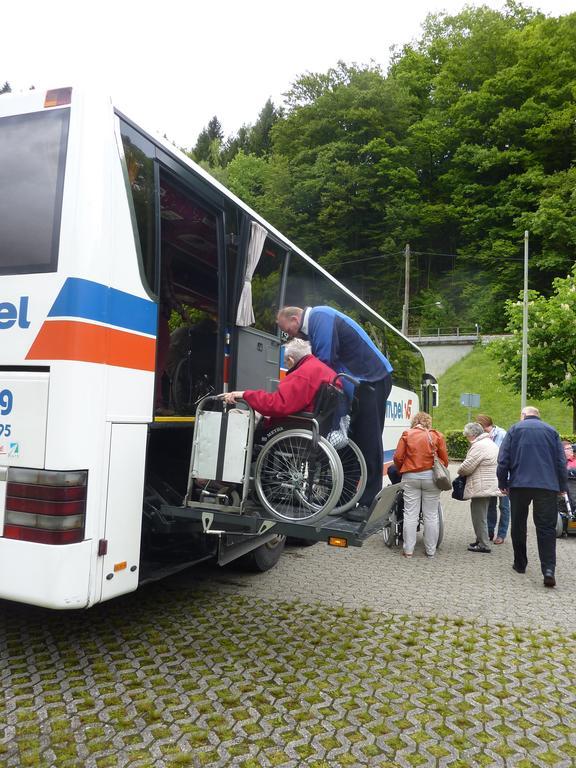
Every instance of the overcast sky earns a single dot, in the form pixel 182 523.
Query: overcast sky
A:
pixel 172 65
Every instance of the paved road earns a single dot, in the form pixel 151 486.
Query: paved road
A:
pixel 335 659
pixel 455 583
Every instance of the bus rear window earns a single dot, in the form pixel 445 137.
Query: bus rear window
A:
pixel 32 159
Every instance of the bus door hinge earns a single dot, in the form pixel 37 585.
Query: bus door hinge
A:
pixel 102 547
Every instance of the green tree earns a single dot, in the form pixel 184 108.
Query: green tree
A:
pixel 208 143
pixel 495 94
pixel 253 139
pixel 551 343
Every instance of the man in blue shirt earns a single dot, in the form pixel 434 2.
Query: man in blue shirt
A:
pixel 532 468
pixel 343 345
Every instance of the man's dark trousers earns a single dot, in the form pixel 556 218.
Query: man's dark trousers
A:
pixel 545 512
pixel 366 431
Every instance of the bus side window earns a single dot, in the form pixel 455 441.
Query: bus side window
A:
pixel 266 287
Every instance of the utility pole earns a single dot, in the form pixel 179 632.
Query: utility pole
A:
pixel 524 378
pixel 405 308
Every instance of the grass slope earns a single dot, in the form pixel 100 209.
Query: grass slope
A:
pixel 478 373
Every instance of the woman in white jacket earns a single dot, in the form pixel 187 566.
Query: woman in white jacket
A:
pixel 479 468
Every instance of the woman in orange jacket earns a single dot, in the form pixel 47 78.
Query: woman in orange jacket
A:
pixel 414 458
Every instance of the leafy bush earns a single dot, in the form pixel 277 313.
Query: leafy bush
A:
pixel 457 444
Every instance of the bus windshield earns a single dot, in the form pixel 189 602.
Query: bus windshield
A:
pixel 32 159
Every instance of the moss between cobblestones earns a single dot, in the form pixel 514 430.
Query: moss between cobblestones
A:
pixel 167 678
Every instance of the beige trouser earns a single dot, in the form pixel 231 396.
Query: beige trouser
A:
pixel 420 491
pixel 479 513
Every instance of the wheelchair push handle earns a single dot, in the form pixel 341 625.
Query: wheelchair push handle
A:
pixel 346 377
pixel 220 399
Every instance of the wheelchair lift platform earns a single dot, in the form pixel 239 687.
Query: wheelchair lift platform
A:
pixel 335 530
pixel 220 500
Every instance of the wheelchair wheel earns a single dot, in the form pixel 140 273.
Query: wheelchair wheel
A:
pixel 390 532
pixel 559 526
pixel 188 387
pixel 354 477
pixel 294 481
pixel 440 525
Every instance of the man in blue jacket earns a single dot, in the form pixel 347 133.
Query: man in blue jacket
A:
pixel 532 468
pixel 343 345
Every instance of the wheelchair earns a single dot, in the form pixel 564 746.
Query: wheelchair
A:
pixel 299 475
pixel 393 530
pixel 294 473
pixel 566 525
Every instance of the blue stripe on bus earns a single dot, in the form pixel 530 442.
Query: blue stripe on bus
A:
pixel 94 301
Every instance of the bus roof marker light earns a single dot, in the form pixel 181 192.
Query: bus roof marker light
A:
pixel 58 97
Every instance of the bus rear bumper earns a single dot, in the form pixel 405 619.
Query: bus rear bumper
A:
pixel 45 575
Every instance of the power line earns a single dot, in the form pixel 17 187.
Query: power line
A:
pixel 368 258
pixel 433 253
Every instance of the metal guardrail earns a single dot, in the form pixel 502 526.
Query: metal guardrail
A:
pixel 448 332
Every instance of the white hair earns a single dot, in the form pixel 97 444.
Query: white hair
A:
pixel 473 429
pixel 297 349
pixel 529 410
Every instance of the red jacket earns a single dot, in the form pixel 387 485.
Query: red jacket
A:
pixel 414 452
pixel 295 393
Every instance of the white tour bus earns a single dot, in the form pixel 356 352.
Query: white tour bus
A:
pixel 122 264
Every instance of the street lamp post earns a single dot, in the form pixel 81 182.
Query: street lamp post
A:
pixel 524 375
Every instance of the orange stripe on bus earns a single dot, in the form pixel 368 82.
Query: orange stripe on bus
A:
pixel 68 340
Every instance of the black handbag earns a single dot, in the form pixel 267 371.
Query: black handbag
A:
pixel 458 485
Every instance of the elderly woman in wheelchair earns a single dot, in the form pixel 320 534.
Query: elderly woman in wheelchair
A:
pixel 305 467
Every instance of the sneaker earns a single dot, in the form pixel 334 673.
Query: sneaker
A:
pixel 474 543
pixel 358 514
pixel 549 578
pixel 478 548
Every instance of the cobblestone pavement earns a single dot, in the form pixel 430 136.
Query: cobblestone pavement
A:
pixel 455 583
pixel 335 658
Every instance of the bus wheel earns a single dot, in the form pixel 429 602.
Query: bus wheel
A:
pixel 266 556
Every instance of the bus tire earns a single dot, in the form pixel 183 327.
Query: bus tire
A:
pixel 266 556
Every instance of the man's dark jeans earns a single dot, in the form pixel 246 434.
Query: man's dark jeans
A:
pixel 545 514
pixel 502 527
pixel 366 431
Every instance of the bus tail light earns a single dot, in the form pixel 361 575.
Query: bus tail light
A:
pixel 45 506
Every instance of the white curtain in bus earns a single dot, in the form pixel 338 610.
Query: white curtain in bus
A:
pixel 245 315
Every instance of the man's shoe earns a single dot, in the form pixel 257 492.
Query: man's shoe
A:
pixel 474 543
pixel 518 569
pixel 358 514
pixel 549 578
pixel 478 548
